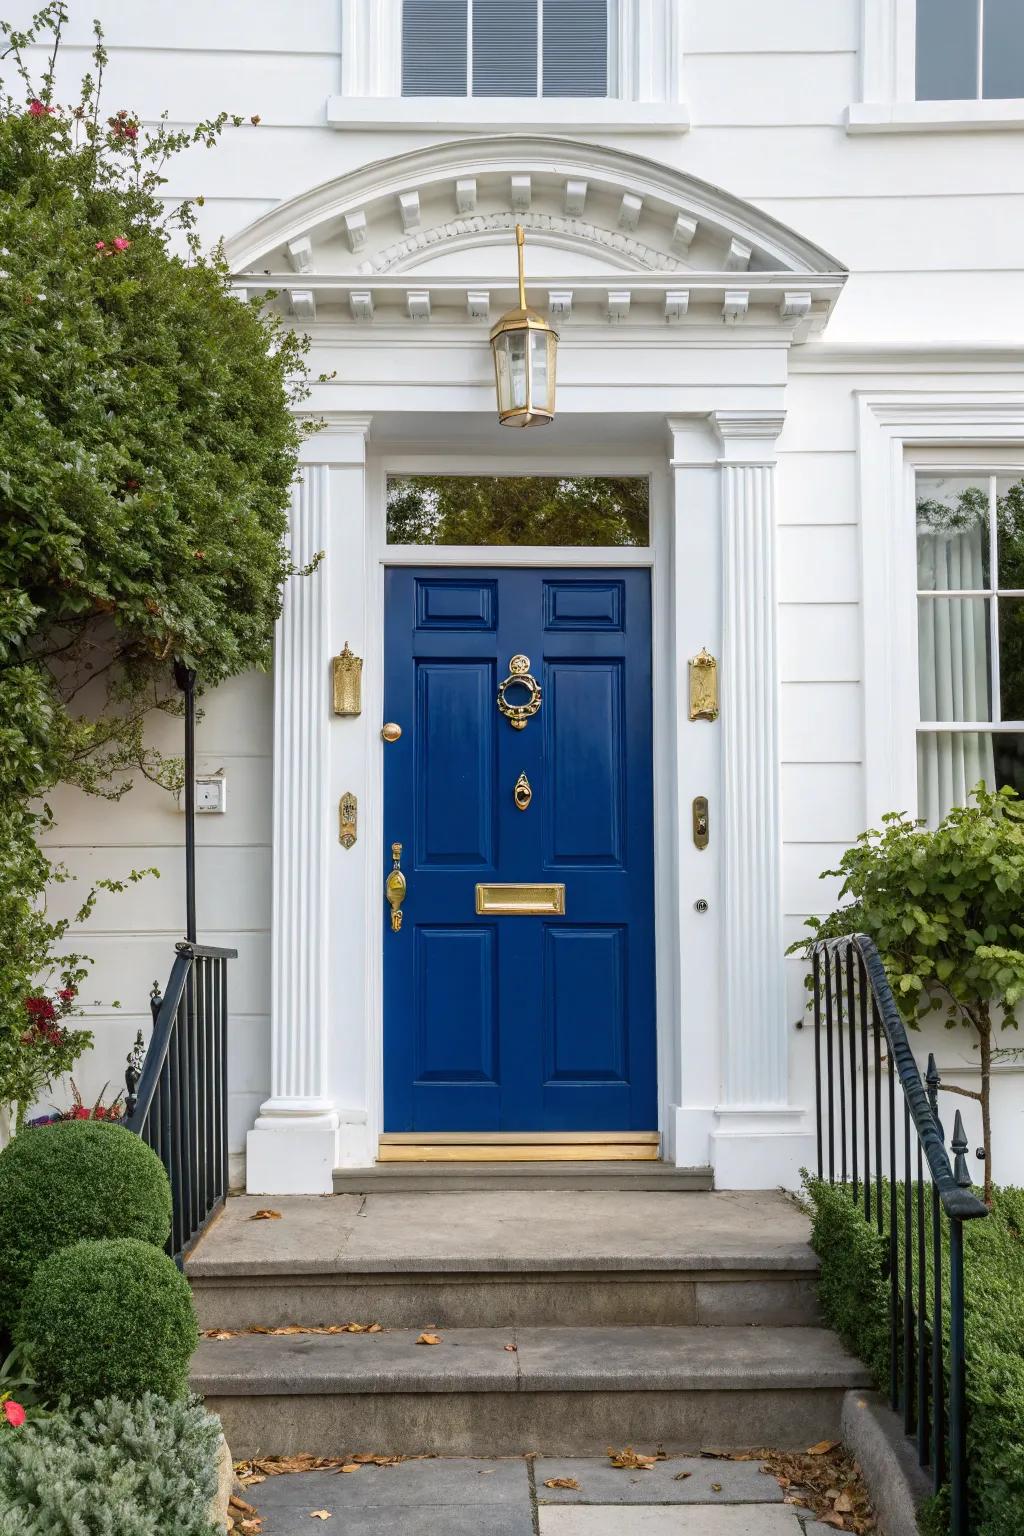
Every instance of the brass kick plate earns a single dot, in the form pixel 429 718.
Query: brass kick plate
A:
pixel 521 900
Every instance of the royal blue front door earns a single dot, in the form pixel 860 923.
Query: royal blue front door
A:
pixel 522 1022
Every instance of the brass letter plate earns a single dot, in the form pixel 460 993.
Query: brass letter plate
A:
pixel 521 900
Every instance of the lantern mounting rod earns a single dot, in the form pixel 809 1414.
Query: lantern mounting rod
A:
pixel 520 243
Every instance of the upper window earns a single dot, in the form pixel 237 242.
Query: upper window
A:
pixel 505 47
pixel 969 50
pixel 581 511
pixel 970 578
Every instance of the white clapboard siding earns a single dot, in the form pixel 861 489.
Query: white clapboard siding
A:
pixel 750 26
pixel 819 642
pixel 820 722
pixel 822 802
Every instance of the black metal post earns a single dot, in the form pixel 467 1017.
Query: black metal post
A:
pixel 185 678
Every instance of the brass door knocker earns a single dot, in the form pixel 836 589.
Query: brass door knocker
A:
pixel 518 714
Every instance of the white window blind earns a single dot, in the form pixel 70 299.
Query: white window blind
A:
pixel 505 47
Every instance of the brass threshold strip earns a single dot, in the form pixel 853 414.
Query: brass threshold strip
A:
pixel 519 1147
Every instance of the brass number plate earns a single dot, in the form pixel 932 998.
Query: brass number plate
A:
pixel 521 900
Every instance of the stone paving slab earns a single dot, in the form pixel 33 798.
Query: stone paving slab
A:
pixel 695 1520
pixel 507 1231
pixel 581 1359
pixel 739 1482
pixel 468 1360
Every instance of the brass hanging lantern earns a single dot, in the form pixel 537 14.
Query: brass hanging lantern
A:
pixel 525 351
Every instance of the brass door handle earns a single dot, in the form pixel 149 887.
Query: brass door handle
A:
pixel 395 888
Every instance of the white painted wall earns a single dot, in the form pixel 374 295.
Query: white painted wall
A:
pixel 930 226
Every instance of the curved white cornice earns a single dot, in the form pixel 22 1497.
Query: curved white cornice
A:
pixel 414 238
pixel 666 195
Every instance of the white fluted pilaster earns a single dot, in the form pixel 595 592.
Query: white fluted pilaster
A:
pixel 755 1056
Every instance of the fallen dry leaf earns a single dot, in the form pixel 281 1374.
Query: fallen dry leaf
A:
pixel 320 1514
pixel 822 1448
pixel 290 1328
pixel 350 1466
pixel 844 1504
pixel 429 1338
pixel 371 1459
pixel 817 1480
pixel 234 1502
pixel 512 1348
pixel 561 1482
pixel 265 1216
pixel 716 1487
pixel 630 1460
pixel 250 1526
pixel 680 1476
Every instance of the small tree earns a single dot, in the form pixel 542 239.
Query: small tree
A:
pixel 946 910
pixel 147 450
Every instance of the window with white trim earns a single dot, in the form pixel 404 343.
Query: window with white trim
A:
pixel 970 606
pixel 480 48
pixel 969 50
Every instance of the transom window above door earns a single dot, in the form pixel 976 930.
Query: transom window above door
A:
pixel 506 47
pixel 969 50
pixel 970 579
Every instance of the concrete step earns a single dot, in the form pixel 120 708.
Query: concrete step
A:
pixel 485 1261
pixel 561 1391
pixel 434 1178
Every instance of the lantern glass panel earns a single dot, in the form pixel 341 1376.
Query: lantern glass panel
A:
pixel 542 355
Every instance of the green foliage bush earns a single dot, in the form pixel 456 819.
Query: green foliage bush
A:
pixel 116 1469
pixel 855 1302
pixel 147 451
pixel 109 1317
pixel 76 1179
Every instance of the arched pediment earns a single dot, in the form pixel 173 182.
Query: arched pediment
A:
pixel 443 216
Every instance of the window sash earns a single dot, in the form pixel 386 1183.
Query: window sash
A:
pixel 483 35
pixel 984 29
pixel 991 595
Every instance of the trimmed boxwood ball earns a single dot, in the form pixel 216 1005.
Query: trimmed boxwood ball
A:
pixel 111 1317
pixel 77 1179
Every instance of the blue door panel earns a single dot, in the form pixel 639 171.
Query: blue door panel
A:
pixel 509 1023
pixel 586 748
pixel 585 1009
pixel 454 737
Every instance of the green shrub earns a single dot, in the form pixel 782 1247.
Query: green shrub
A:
pixel 111 1317
pixel 79 1179
pixel 117 1469
pixel 855 1302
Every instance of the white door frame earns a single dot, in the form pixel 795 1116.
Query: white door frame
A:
pixel 381 556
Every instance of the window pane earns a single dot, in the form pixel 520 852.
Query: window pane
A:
pixel 575 47
pixel 1010 528
pixel 504 47
pixel 1011 657
pixel 1003 49
pixel 947 50
pixel 952 534
pixel 434 47
pixel 949 766
pixel 953 658
pixel 584 511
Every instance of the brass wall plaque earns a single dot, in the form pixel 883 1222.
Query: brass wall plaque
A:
pixel 348 818
pixel 348 683
pixel 703 687
pixel 521 900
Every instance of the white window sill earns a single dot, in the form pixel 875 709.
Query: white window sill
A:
pixel 934 116
pixel 487 113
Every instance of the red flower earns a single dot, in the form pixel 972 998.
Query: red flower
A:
pixel 14 1413
pixel 40 1009
pixel 37 109
pixel 68 994
pixel 121 244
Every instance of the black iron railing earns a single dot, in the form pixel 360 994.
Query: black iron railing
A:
pixel 178 1092
pixel 890 1148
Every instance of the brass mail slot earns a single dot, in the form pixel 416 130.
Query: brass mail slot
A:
pixel 521 900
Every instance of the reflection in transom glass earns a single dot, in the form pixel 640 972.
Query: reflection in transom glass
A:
pixel 970 574
pixel 565 511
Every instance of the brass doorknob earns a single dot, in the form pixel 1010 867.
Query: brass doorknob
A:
pixel 395 888
pixel 390 732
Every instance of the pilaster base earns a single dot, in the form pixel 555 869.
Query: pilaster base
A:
pixel 292 1154
pixel 760 1148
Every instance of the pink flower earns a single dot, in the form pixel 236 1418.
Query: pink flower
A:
pixel 121 244
pixel 37 109
pixel 101 245
pixel 14 1413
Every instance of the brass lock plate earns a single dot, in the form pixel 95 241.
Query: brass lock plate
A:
pixel 701 832
pixel 348 820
